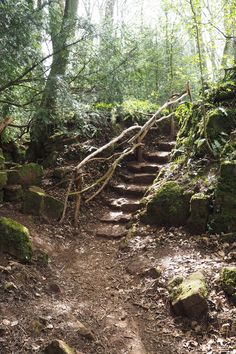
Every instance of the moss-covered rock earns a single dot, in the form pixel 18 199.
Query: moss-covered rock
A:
pixel 37 202
pixel 33 202
pixel 52 208
pixel 228 280
pixel 223 218
pixel 199 213
pixel 13 193
pixel 189 298
pixel 14 239
pixel 58 347
pixel 3 179
pixel 169 206
pixel 26 175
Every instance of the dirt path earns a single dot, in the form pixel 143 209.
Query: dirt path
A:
pixel 110 291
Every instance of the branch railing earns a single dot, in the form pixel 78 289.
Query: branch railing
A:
pixel 135 143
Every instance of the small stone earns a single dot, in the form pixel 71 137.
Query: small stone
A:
pixel 9 286
pixel 6 322
pixel 58 347
pixel 54 288
pixel 153 273
pixel 84 331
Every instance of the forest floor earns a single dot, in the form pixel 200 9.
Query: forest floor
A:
pixel 94 281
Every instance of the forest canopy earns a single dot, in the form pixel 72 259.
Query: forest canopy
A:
pixel 60 57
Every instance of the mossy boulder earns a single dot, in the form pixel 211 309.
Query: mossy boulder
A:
pixel 33 201
pixel 199 213
pixel 53 208
pixel 223 218
pixel 13 193
pixel 220 120
pixel 59 347
pixel 189 297
pixel 228 280
pixel 169 206
pixel 26 175
pixel 15 240
pixel 37 202
pixel 3 179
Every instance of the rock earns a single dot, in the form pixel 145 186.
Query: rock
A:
pixel 13 193
pixel 153 273
pixel 168 207
pixel 61 172
pixel 33 201
pixel 51 159
pixel 189 298
pixel 26 175
pixel 36 202
pixel 199 212
pixel 52 208
pixel 14 239
pixel 3 179
pixel 58 347
pixel 228 280
pixel 223 218
pixel 83 330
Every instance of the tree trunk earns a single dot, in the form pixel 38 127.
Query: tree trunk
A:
pixel 61 31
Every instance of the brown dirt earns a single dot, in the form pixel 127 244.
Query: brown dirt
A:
pixel 92 280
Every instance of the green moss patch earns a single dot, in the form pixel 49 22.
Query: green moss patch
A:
pixel 169 206
pixel 36 202
pixel 223 218
pixel 26 175
pixel 14 239
pixel 228 280
pixel 189 298
pixel 199 213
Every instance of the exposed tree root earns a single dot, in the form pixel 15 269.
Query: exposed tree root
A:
pixel 135 144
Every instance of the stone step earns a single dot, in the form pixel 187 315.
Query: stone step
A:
pixel 116 216
pixel 137 190
pixel 143 167
pixel 125 204
pixel 111 231
pixel 166 145
pixel 160 157
pixel 139 178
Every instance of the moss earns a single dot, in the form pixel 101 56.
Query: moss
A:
pixel 13 193
pixel 3 179
pixel 26 175
pixel 53 208
pixel 36 202
pixel 14 239
pixel 195 283
pixel 2 160
pixel 228 280
pixel 175 282
pixel 199 213
pixel 33 201
pixel 223 218
pixel 169 206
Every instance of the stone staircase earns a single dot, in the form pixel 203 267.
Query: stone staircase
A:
pixel 135 181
